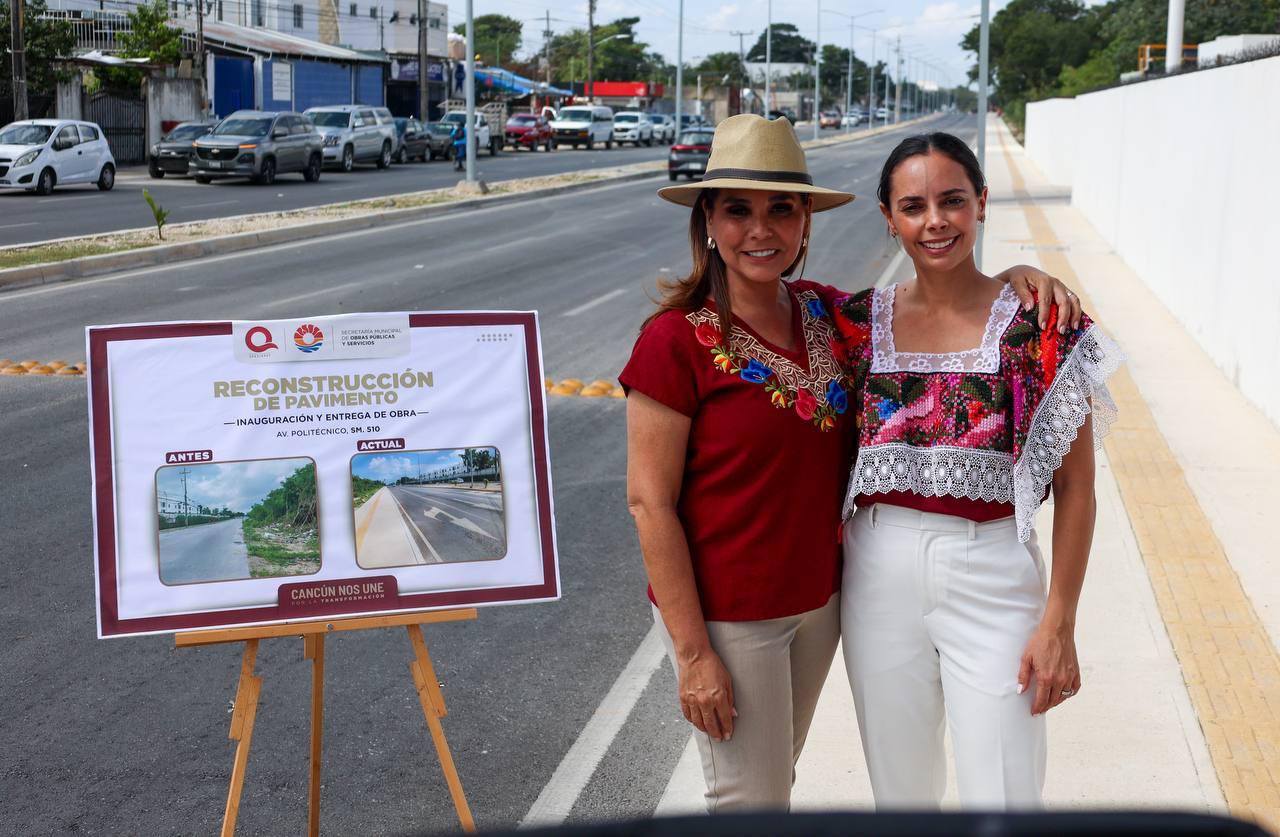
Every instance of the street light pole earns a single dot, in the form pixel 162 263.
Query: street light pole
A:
pixel 591 49
pixel 471 94
pixel 817 76
pixel 768 60
pixel 871 83
pixel 679 68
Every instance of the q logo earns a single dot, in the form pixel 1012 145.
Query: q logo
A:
pixel 258 339
pixel 308 338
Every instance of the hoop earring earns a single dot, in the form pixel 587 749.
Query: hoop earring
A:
pixel 711 243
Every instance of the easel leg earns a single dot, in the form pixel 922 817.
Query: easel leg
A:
pixel 313 649
pixel 432 699
pixel 246 709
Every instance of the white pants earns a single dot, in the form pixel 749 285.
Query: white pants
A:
pixel 778 667
pixel 935 614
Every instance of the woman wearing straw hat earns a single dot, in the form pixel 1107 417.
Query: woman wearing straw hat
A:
pixel 739 442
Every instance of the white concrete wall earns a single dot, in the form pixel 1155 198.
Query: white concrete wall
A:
pixel 170 100
pixel 1179 176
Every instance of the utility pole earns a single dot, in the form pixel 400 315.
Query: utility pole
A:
pixel 984 68
pixel 591 49
pixel 897 98
pixel 546 48
pixel 1173 36
pixel 423 98
pixel 742 66
pixel 204 93
pixel 186 508
pixel 19 61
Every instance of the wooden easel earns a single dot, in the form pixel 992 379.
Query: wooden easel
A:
pixel 313 634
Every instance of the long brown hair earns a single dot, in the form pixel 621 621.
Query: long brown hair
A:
pixel 708 277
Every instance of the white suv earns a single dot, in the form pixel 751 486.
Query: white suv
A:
pixel 633 127
pixel 38 154
pixel 584 125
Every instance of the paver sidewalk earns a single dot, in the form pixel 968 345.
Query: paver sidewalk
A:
pixel 1181 609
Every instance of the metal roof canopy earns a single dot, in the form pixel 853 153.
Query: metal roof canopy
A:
pixel 270 44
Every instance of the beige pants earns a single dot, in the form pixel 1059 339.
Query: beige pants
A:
pixel 778 667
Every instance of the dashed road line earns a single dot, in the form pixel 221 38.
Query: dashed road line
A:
pixel 600 300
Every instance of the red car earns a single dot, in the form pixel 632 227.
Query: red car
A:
pixel 529 130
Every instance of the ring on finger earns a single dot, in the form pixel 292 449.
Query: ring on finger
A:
pixel 1066 693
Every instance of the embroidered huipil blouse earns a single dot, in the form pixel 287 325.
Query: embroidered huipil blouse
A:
pixel 990 424
pixel 769 447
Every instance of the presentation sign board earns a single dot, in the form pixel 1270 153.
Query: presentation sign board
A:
pixel 249 473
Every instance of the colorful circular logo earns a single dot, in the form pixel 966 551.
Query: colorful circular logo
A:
pixel 308 338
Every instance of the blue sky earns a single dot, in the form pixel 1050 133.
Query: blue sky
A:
pixel 236 485
pixel 930 31
pixel 389 467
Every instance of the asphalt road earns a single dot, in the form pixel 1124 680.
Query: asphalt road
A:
pixel 209 552
pixel 83 210
pixel 450 524
pixel 129 736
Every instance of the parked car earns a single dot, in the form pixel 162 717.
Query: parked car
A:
pixel 440 140
pixel 413 139
pixel 633 127
pixel 39 154
pixel 259 145
pixel 664 127
pixel 354 134
pixel 852 119
pixel 882 113
pixel 584 125
pixel 529 130
pixel 485 137
pixel 690 121
pixel 689 154
pixel 829 119
pixel 785 113
pixel 172 154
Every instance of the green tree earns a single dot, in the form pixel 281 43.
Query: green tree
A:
pixel 788 46
pixel 1031 41
pixel 1127 25
pixel 724 63
pixel 1098 71
pixel 150 36
pixel 618 59
pixel 498 38
pixel 46 41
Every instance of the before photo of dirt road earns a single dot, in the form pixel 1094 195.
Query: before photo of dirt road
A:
pixel 428 507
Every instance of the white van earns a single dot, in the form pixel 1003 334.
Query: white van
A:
pixel 580 125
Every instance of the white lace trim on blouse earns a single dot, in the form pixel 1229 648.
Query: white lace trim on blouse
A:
pixel 985 358
pixel 993 476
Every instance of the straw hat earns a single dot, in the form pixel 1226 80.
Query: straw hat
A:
pixel 751 152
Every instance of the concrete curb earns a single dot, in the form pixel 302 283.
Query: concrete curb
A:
pixel 83 268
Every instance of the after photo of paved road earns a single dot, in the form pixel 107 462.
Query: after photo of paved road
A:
pixel 428 507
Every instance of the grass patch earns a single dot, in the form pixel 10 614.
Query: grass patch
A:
pixel 281 550
pixel 63 251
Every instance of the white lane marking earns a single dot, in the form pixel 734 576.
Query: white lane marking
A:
pixel 294 245
pixel 289 300
pixel 600 300
pixel 202 205
pixel 406 517
pixel 557 799
pixel 883 281
pixel 13 226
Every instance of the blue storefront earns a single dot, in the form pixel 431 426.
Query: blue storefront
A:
pixel 259 68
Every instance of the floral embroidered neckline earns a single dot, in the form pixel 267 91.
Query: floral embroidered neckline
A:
pixel 817 394
pixel 983 358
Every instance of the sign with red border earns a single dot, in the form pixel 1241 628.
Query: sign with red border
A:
pixel 359 464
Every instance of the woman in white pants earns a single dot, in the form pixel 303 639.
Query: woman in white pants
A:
pixel 969 414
